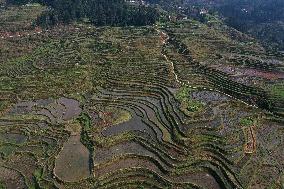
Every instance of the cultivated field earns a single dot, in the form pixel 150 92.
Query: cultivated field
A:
pixel 177 105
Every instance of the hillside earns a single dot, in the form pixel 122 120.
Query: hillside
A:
pixel 175 103
pixel 262 19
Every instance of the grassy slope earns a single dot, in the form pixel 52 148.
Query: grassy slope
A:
pixel 76 60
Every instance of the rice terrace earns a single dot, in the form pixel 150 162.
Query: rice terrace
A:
pixel 139 94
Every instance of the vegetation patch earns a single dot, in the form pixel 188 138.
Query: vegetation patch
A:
pixel 3 106
pixel 247 122
pixel 98 12
pixel 188 105
pixel 2 185
pixel 105 99
pixel 278 90
pixel 116 116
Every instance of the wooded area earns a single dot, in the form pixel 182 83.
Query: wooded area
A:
pixel 97 12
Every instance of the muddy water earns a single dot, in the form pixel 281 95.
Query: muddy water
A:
pixel 72 163
pixel 134 124
pixel 103 154
pixel 208 96
pixel 202 179
pixel 72 108
pixel 56 110
pixel 61 110
pixel 29 106
pixel 11 178
pixel 13 138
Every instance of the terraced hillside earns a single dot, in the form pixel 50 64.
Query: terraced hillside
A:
pixel 176 105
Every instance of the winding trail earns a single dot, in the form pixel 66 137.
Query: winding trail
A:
pixel 186 83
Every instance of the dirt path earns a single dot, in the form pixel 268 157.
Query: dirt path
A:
pixel 164 39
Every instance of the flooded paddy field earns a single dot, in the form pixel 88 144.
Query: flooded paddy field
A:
pixel 72 163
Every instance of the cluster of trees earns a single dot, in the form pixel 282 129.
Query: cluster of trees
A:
pixel 243 13
pixel 263 19
pixel 19 2
pixel 98 12
pixel 168 5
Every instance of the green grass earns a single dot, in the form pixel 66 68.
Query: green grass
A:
pixel 38 177
pixel 194 105
pixel 18 18
pixel 3 105
pixel 2 186
pixel 187 104
pixel 85 121
pixel 183 93
pixel 278 90
pixel 247 122
pixel 7 149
